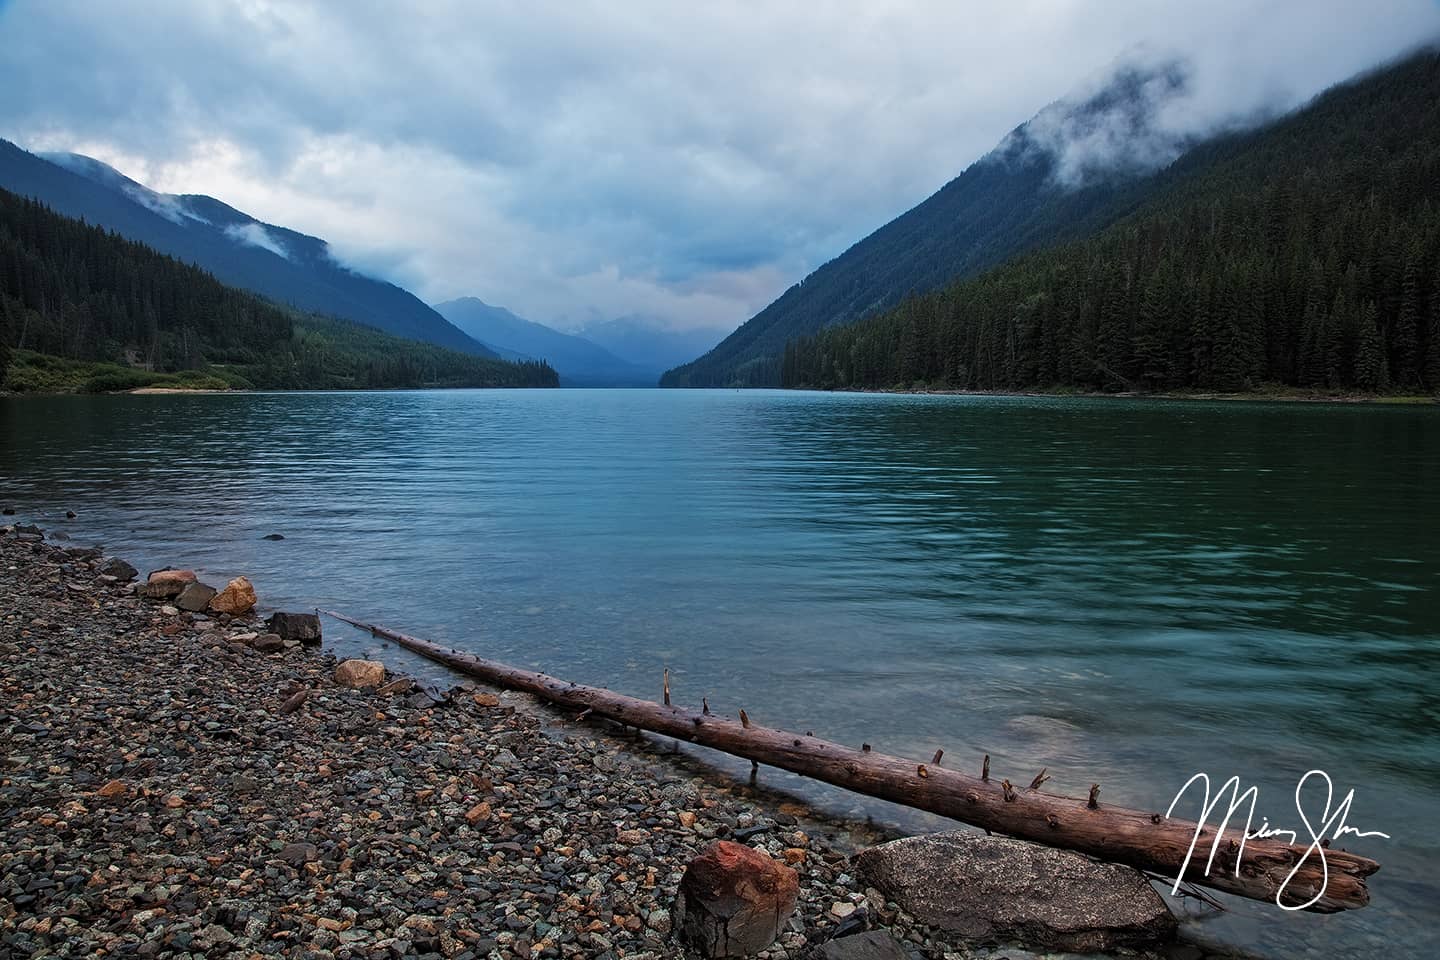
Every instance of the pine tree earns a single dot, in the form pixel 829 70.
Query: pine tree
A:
pixel 1370 369
pixel 1150 342
pixel 1405 339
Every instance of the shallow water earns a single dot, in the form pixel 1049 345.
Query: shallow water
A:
pixel 1121 591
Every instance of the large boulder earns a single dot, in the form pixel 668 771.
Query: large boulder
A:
pixel 166 584
pixel 237 598
pixel 360 673
pixel 195 597
pixel 304 627
pixel 734 900
pixel 998 889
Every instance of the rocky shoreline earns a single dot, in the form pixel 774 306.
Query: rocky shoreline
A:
pixel 169 787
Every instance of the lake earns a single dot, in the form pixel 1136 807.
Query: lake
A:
pixel 1123 591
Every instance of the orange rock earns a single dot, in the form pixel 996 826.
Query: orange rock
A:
pixel 481 811
pixel 734 900
pixel 114 788
pixel 360 673
pixel 794 855
pixel 238 597
pixel 486 700
pixel 687 819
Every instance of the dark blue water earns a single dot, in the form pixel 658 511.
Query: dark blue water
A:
pixel 1121 591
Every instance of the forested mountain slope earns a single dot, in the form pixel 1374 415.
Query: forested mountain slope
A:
pixel 1305 253
pixel 74 294
pixel 279 264
pixel 1015 198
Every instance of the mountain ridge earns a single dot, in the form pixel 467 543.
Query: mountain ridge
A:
pixel 1005 203
pixel 237 248
pixel 1301 254
pixel 578 361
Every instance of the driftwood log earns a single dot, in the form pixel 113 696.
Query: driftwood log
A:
pixel 1333 879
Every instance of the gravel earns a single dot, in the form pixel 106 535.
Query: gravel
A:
pixel 169 790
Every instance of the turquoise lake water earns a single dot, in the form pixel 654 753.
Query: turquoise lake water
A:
pixel 1122 591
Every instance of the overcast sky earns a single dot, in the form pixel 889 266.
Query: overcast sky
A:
pixel 578 161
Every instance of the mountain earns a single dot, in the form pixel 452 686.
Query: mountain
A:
pixel 82 308
pixel 1304 253
pixel 648 343
pixel 280 264
pixel 578 361
pixel 1067 172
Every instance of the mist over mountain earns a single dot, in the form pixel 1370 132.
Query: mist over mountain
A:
pixel 284 265
pixel 1078 165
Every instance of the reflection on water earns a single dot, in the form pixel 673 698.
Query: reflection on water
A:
pixel 1125 592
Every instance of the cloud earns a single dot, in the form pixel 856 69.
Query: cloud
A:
pixel 581 160
pixel 256 235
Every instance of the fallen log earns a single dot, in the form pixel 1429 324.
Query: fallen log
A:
pixel 1324 880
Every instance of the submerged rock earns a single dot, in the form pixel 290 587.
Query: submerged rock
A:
pixel 237 598
pixel 995 888
pixel 734 900
pixel 875 945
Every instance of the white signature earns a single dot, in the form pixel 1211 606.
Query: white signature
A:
pixel 1332 826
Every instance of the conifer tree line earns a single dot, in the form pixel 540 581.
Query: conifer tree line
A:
pixel 1307 256
pixel 74 291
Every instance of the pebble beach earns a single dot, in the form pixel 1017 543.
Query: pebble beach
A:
pixel 159 800
pixel 183 784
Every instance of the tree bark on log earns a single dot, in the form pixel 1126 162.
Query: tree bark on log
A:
pixel 1334 879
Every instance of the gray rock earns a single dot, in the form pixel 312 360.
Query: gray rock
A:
pixel 298 854
pixel 875 945
pixel 998 889
pixel 195 597
pixel 304 627
pixel 267 643
pixel 119 569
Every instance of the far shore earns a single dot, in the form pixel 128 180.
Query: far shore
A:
pixel 1241 397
